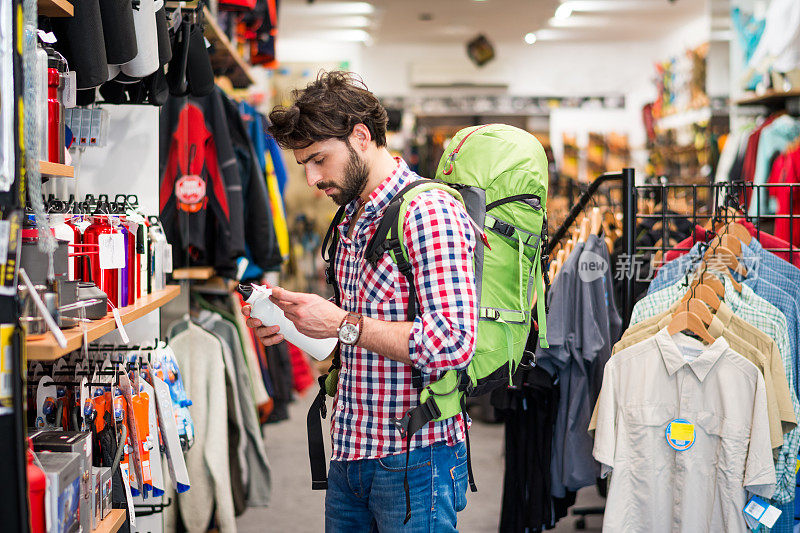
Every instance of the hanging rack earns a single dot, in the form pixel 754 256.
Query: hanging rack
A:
pixel 627 177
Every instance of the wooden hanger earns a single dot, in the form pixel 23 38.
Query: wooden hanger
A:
pixel 568 248
pixel 722 256
pixel 705 294
pixel 585 230
pixel 711 281
pixel 688 321
pixel 596 221
pixel 736 230
pixel 560 256
pixel 696 306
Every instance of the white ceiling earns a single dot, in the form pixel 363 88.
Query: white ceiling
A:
pixel 502 21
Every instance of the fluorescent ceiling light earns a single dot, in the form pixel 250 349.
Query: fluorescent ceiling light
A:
pixel 530 38
pixel 347 21
pixel 330 8
pixel 343 35
pixel 564 10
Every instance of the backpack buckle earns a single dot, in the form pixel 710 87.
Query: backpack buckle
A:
pixel 401 424
pixel 507 230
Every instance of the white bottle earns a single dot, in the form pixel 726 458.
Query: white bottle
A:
pixel 271 315
pixel 62 231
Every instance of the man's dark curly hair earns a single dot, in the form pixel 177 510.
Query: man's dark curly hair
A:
pixel 328 107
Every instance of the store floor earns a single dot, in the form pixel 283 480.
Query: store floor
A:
pixel 296 508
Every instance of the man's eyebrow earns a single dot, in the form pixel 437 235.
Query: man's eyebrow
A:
pixel 309 158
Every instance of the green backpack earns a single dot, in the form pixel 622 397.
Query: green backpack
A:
pixel 499 173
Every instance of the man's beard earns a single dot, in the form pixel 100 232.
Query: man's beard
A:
pixel 355 179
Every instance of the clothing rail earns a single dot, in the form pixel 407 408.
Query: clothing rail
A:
pixel 627 177
pixel 723 194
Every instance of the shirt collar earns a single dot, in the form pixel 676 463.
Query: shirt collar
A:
pixel 674 360
pixel 383 193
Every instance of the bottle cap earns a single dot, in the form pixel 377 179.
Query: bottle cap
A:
pixel 245 291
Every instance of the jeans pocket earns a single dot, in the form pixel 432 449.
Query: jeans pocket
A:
pixel 459 475
pixel 418 458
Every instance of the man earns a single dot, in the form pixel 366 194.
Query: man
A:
pixel 337 131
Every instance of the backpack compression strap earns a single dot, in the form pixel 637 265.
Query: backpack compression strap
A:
pixel 327 382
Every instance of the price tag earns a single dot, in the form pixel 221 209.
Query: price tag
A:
pixel 5 233
pixel 759 510
pixel 70 89
pixel 167 258
pixel 112 250
pixel 680 434
pixel 120 326
pixel 47 37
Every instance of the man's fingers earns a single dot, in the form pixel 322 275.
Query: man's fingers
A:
pixel 271 341
pixel 246 310
pixel 286 296
pixel 267 331
pixel 253 322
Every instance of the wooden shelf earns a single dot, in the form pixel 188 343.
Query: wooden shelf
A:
pixel 200 273
pixel 112 522
pixel 769 98
pixel 56 170
pixel 55 8
pixel 225 60
pixel 45 348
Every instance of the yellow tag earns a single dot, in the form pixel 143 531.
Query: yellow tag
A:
pixel 681 431
pixel 796 466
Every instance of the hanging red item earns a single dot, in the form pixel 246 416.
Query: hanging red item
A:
pixel 237 5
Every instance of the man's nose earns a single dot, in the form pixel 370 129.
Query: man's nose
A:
pixel 313 177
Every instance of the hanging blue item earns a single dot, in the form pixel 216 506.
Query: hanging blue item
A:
pixel 749 30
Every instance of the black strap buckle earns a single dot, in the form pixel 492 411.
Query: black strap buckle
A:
pixel 402 424
pixel 507 230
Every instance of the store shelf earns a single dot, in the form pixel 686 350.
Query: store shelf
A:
pixel 112 522
pixel 689 117
pixel 225 60
pixel 55 8
pixel 56 170
pixel 201 273
pixel 769 98
pixel 45 348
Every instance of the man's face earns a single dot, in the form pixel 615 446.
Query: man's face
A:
pixel 335 168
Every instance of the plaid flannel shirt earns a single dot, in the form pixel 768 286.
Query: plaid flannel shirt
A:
pixel 372 388
pixel 766 317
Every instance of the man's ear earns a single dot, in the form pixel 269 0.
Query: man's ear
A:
pixel 360 137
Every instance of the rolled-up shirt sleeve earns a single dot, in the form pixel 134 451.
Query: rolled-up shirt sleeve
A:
pixel 440 241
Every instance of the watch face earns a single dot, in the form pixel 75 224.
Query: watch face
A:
pixel 348 333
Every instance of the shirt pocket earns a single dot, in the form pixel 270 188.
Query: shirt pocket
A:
pixel 729 442
pixel 379 289
pixel 646 439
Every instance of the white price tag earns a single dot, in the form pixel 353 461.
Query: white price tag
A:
pixel 167 258
pixel 70 89
pixel 5 234
pixel 120 326
pixel 47 36
pixel 112 250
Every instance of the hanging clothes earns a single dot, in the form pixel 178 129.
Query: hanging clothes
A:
pixel 200 198
pixel 200 357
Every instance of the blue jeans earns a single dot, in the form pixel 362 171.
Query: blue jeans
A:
pixel 367 495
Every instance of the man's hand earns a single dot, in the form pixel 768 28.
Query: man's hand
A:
pixel 268 335
pixel 311 314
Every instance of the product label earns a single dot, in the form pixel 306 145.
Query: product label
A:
pixel 10 244
pixel 6 375
pixel 761 511
pixel 70 89
pixel 680 434
pixel 112 250
pixel 120 326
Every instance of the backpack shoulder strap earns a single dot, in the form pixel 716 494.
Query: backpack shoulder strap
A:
pixel 328 251
pixel 389 238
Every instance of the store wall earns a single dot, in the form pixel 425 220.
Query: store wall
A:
pixel 128 164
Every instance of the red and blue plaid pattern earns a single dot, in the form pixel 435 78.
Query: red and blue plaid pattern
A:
pixel 372 388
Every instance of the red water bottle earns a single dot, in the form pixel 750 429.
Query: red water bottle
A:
pixel 55 108
pixel 105 279
pixel 36 490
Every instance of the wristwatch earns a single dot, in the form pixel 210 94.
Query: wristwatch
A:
pixel 350 329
